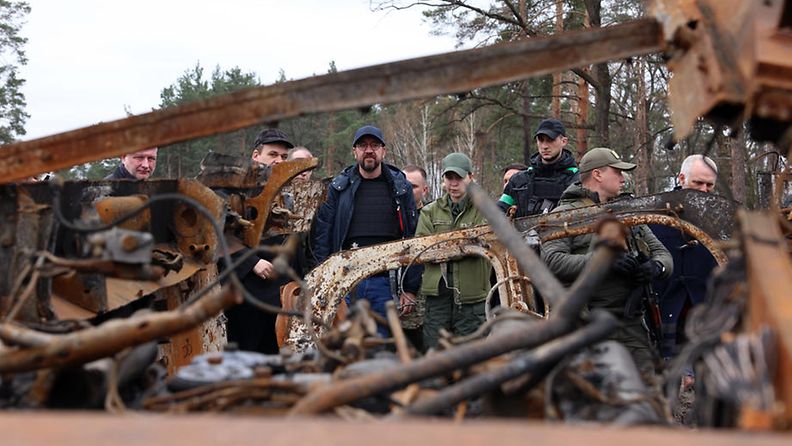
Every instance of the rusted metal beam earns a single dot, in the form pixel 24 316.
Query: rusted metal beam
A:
pixel 643 219
pixel 112 336
pixel 543 358
pixel 770 281
pixel 710 213
pixel 95 429
pixel 448 73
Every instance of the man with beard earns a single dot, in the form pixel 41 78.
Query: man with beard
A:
pixel 537 189
pixel 135 166
pixel 368 203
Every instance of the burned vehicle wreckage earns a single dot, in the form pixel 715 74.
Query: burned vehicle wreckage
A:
pixel 111 295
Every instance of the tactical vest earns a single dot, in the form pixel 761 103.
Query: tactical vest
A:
pixel 540 194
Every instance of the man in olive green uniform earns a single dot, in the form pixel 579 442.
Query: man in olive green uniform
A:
pixel 455 291
pixel 620 292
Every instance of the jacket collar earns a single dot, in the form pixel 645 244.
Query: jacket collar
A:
pixel 565 161
pixel 576 191
pixel 124 173
pixel 351 174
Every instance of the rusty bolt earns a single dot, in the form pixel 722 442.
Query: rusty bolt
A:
pixel 129 242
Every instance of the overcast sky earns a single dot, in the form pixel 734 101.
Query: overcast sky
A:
pixel 88 59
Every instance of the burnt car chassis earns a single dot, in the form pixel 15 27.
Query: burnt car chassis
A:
pixel 745 331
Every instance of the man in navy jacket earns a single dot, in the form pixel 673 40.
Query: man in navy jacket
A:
pixel 693 263
pixel 368 203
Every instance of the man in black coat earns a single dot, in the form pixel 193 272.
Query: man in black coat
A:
pixel 537 189
pixel 370 202
pixel 135 166
pixel 249 327
pixel 693 263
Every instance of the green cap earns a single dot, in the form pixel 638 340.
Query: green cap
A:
pixel 459 163
pixel 601 157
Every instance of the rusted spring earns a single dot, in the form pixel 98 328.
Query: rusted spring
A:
pixel 634 220
pixel 536 361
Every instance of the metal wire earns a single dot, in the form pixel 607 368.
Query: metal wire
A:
pixel 173 196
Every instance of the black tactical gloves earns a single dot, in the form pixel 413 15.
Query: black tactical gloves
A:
pixel 628 266
pixel 648 271
pixel 625 265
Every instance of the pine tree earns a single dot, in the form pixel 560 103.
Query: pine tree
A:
pixel 12 56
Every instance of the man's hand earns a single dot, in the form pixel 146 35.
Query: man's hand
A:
pixel 648 271
pixel 263 269
pixel 407 303
pixel 625 265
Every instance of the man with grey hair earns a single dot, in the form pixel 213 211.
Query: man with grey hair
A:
pixel 693 263
pixel 698 172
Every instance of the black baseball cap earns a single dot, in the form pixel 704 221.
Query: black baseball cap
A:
pixel 550 127
pixel 368 130
pixel 270 136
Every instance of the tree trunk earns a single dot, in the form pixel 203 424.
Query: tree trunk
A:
pixel 559 27
pixel 604 81
pixel 582 117
pixel 738 169
pixel 643 153
pixel 527 133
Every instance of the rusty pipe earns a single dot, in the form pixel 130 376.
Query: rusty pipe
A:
pixel 643 219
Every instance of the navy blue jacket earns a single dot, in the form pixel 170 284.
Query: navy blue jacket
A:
pixel 120 173
pixel 687 285
pixel 334 217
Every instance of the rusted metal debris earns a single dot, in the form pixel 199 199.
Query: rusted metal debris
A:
pixel 261 204
pixel 712 214
pixel 737 54
pixel 334 278
pixel 769 272
pixel 107 339
pixel 523 336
